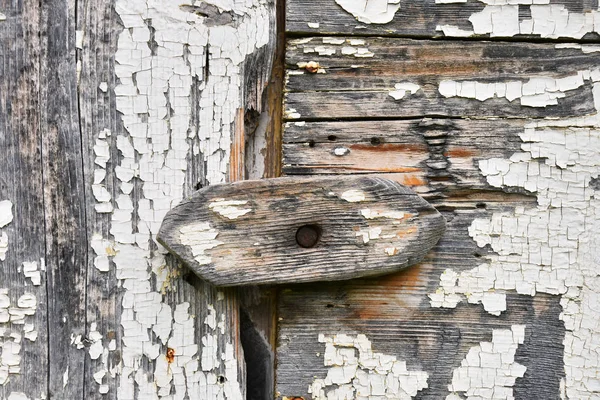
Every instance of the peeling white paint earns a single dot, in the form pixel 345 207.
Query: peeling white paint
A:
pixel 170 113
pixel 6 217
pixel 402 88
pixel 313 25
pixel 2 17
pixel 369 234
pixel 551 248
pixel 229 208
pixel 357 372
pixel 341 151
pixel 371 11
pixel 17 396
pixel 501 18
pixel 353 196
pixel 200 237
pixel 30 270
pixel 103 86
pixel 536 92
pixel 489 370
pixel 16 322
pixel 391 214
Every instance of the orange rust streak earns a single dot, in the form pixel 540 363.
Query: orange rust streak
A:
pixel 460 153
pixel 407 232
pixel 170 355
pixel 384 147
pixel 398 169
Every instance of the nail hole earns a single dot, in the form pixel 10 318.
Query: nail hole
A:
pixel 481 205
pixel 375 141
pixel 308 236
pixel 221 379
pixel 311 143
pixel 478 255
pixel 332 138
pixel 329 305
pixel 198 186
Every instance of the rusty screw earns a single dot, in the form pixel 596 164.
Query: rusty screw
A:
pixel 308 236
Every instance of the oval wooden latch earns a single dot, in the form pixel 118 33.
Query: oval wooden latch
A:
pixel 295 229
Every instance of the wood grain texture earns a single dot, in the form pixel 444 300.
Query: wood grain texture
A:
pixel 64 198
pixel 419 18
pixel 352 87
pixel 435 157
pixel 21 184
pixel 246 232
pixel 393 311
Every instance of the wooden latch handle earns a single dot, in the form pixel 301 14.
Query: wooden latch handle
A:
pixel 298 229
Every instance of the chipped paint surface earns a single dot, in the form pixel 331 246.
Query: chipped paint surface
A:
pixel 371 11
pixel 353 196
pixel 16 323
pixel 489 370
pixel 550 248
pixel 200 237
pixel 402 89
pixel 229 209
pixel 357 372
pixel 501 18
pixel 174 107
pixel 536 92
pixel 6 217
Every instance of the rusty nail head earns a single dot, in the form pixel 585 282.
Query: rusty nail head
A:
pixel 308 236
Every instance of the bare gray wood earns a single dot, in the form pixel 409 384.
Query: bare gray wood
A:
pixel 364 87
pixel 419 18
pixel 247 232
pixel 393 311
pixel 21 183
pixel 435 157
pixel 64 199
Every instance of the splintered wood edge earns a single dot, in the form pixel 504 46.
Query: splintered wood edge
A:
pixel 286 262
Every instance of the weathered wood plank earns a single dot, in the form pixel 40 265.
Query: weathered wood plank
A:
pixel 428 18
pixel 153 328
pixel 64 199
pixel 395 315
pixel 433 156
pixel 23 303
pixel 300 230
pixel 399 78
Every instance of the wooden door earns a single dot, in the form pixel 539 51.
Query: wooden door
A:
pixel 111 112
pixel 489 110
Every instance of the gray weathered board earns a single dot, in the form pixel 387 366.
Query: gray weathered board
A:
pixel 85 313
pixel 247 232
pixel 480 157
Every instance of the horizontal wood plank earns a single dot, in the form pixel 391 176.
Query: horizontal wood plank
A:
pixel 343 77
pixel 395 315
pixel 429 18
pixel 433 156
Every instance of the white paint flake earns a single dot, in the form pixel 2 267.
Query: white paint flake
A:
pixel 500 18
pixel 229 209
pixel 536 92
pixel 391 214
pixel 104 249
pixel 16 322
pixel 17 396
pixel 200 237
pixel 31 271
pixel 2 17
pixel 371 11
pixel 402 88
pixel 103 86
pixel 551 248
pixel 341 151
pixel 357 372
pixel 489 370
pixel 313 25
pixel 6 217
pixel 353 196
